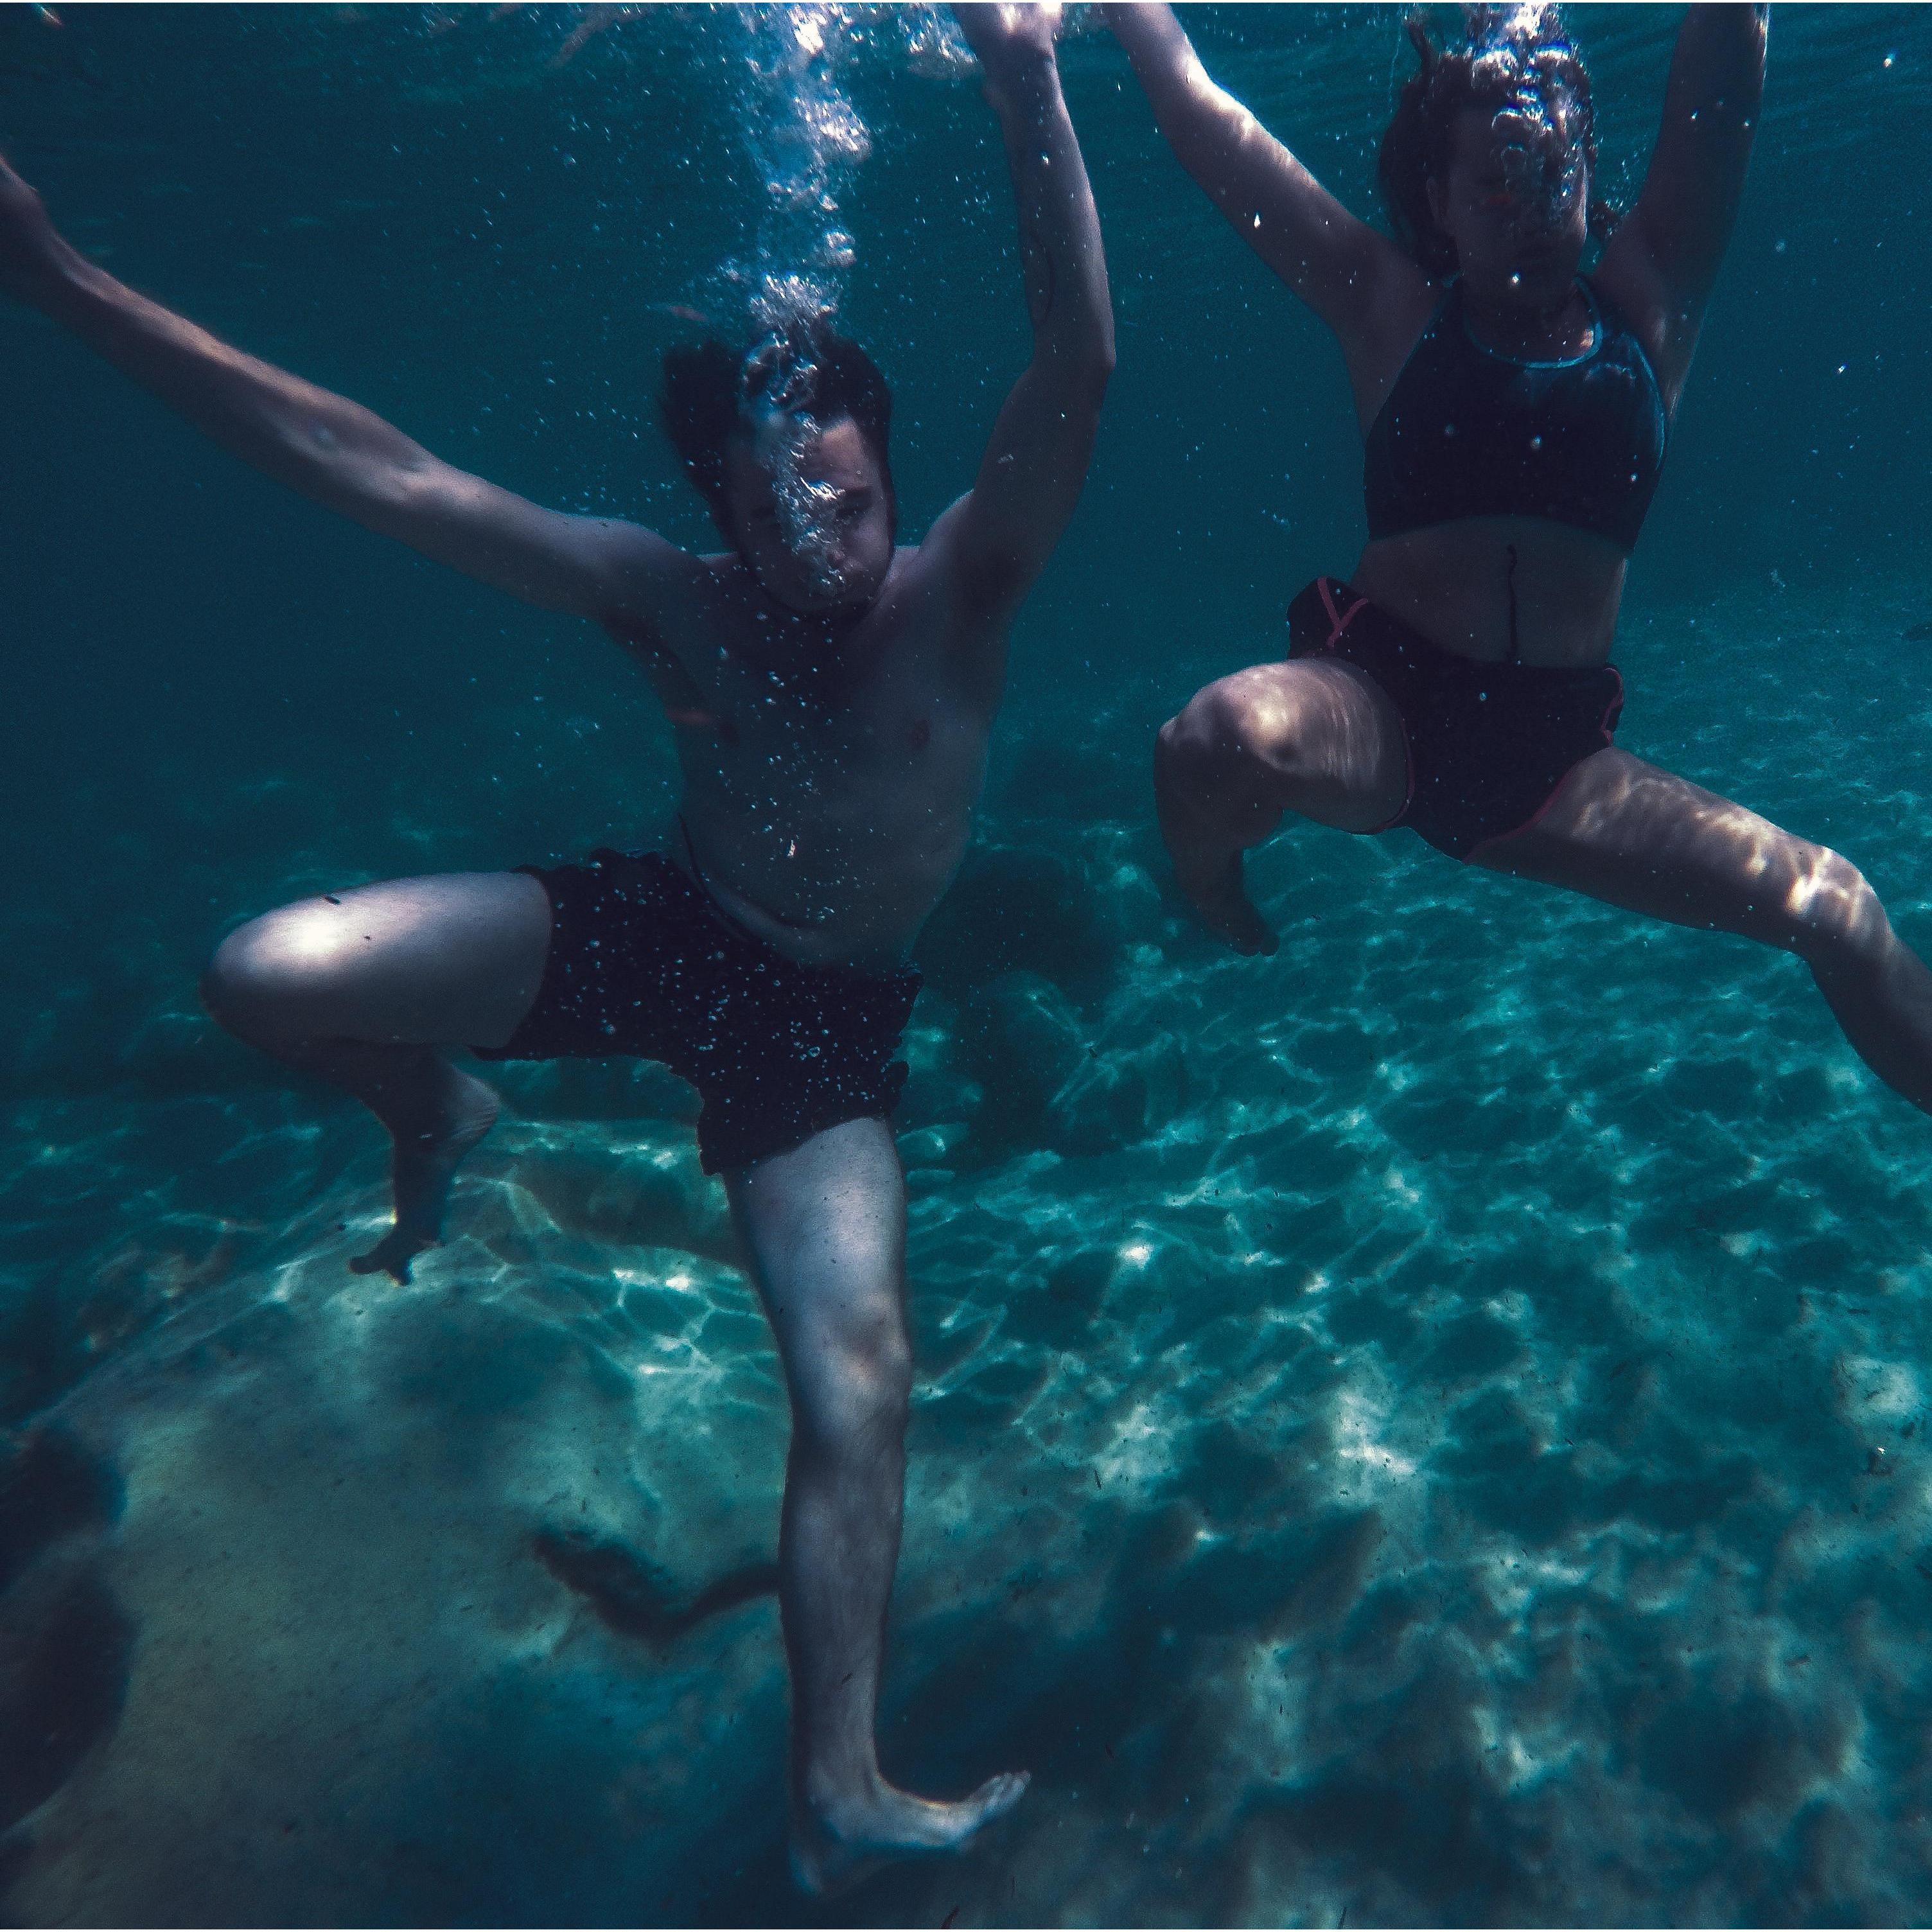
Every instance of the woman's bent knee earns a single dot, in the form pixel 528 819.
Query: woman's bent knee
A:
pixel 1246 714
pixel 1203 735
pixel 1315 738
pixel 1211 751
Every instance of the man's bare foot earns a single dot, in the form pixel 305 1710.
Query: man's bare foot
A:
pixel 423 1166
pixel 835 1846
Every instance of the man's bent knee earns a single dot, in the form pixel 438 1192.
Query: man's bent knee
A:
pixel 237 986
pixel 265 973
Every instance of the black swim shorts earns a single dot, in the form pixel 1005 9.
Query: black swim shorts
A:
pixel 643 962
pixel 1488 743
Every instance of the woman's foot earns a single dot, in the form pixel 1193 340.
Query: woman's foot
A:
pixel 835 1845
pixel 1207 860
pixel 1216 889
pixel 460 1112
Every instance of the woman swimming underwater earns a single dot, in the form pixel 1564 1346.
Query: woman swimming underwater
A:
pixel 1515 415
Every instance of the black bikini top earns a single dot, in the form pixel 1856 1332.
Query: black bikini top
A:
pixel 1466 432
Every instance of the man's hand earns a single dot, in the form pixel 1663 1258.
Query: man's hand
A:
pixel 1007 38
pixel 29 247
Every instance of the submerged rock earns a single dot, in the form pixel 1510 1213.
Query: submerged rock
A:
pixel 357 1639
pixel 1024 1041
pixel 65 1640
pixel 1020 909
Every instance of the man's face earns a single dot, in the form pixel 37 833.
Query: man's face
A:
pixel 813 515
pixel 1516 201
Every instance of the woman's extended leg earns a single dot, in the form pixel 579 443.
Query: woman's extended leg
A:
pixel 1311 736
pixel 361 988
pixel 1623 831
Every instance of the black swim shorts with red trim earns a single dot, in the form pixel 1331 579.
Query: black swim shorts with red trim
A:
pixel 1488 744
pixel 643 962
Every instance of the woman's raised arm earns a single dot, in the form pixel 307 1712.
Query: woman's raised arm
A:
pixel 1340 266
pixel 1673 243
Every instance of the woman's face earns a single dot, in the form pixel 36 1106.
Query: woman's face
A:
pixel 1515 202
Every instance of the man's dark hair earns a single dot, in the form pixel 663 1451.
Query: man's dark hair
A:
pixel 807 367
pixel 1420 142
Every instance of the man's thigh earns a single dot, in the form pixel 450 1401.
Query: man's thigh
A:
pixel 452 958
pixel 825 1224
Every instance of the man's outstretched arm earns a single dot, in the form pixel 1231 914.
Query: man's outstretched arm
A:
pixel 1031 475
pixel 342 455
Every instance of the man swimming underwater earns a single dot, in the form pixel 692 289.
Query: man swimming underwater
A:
pixel 833 695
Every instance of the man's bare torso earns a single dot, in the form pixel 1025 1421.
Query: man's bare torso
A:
pixel 830 769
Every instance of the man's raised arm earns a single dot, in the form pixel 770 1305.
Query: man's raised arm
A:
pixel 1031 476
pixel 342 455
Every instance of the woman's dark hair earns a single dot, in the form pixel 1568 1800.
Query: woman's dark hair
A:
pixel 807 366
pixel 1421 140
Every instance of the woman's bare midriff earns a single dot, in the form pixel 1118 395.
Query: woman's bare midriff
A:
pixel 1451 583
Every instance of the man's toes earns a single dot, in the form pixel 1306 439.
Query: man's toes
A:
pixel 1000 1794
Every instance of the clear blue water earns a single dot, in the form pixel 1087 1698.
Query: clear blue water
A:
pixel 1431 1427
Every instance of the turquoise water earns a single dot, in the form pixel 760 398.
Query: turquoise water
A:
pixel 1428 1427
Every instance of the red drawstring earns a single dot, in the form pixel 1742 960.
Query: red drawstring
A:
pixel 1337 623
